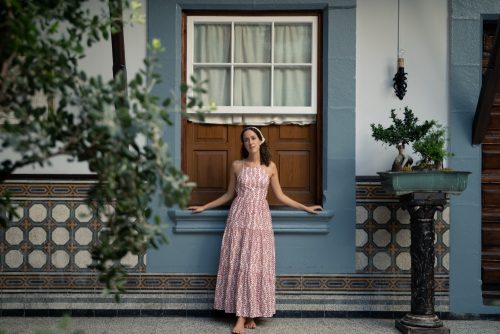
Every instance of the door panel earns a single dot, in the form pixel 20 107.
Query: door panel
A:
pixel 209 150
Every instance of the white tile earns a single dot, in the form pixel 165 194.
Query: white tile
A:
pixel 14 235
pixel 37 236
pixel 37 259
pixel 60 236
pixel 60 213
pixel 14 259
pixel 37 213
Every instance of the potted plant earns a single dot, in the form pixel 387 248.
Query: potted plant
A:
pixel 432 149
pixel 429 142
pixel 401 133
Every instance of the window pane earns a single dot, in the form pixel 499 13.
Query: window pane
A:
pixel 252 43
pixel 219 83
pixel 212 43
pixel 292 42
pixel 252 86
pixel 292 87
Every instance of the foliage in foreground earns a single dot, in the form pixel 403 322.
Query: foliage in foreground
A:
pixel 117 127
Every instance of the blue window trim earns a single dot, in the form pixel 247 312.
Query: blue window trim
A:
pixel 337 235
pixel 284 221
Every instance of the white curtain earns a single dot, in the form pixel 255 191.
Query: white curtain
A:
pixel 212 45
pixel 252 45
pixel 292 45
pixel 253 66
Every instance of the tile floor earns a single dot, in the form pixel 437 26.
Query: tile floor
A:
pixel 188 325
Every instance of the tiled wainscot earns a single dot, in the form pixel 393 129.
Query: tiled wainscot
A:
pixel 45 253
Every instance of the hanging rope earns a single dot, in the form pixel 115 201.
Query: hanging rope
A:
pixel 400 78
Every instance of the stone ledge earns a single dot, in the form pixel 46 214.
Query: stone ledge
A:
pixel 284 221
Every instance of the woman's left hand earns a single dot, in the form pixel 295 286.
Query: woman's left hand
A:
pixel 314 209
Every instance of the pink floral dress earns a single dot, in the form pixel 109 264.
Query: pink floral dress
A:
pixel 246 276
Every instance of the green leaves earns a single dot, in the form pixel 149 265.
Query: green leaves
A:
pixel 432 148
pixel 50 107
pixel 401 131
pixel 428 138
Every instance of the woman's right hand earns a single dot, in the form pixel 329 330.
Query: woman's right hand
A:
pixel 196 209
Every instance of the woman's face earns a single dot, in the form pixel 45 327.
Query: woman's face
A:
pixel 251 141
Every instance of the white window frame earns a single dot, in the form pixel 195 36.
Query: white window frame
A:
pixel 263 110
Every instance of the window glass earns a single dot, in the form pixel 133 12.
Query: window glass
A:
pixel 251 62
pixel 292 86
pixel 292 42
pixel 219 85
pixel 252 43
pixel 252 86
pixel 212 43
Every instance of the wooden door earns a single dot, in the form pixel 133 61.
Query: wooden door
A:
pixel 490 189
pixel 209 150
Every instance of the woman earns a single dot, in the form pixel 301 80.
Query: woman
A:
pixel 246 276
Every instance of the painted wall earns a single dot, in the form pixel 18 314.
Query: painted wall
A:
pixel 465 211
pixel 99 61
pixel 425 52
pixel 361 93
pixel 423 33
pixel 302 251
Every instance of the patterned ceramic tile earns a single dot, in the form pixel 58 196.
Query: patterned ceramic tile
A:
pixel 37 259
pixel 37 213
pixel 60 213
pixel 14 259
pixel 383 233
pixel 14 235
pixel 403 261
pixel 383 283
pixel 48 248
pixel 63 230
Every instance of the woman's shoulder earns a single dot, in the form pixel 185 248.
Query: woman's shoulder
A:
pixel 272 168
pixel 237 165
pixel 238 162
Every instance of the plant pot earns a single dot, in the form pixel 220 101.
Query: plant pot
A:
pixel 401 183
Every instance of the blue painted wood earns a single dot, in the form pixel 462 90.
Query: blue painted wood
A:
pixel 299 248
pixel 284 221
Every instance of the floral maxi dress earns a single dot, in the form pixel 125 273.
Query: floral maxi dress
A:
pixel 246 276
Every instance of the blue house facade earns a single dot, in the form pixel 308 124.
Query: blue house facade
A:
pixel 353 257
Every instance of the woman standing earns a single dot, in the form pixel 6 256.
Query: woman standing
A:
pixel 246 275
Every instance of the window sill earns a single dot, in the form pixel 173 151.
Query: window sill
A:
pixel 284 221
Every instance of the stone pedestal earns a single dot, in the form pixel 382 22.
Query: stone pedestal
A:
pixel 422 208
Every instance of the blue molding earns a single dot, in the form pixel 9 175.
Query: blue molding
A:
pixel 303 246
pixel 284 221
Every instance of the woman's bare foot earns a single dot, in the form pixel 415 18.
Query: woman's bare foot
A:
pixel 250 323
pixel 240 326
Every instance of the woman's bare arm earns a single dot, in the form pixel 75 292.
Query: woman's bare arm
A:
pixel 280 195
pixel 226 197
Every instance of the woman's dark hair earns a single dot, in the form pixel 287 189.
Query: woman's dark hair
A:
pixel 265 154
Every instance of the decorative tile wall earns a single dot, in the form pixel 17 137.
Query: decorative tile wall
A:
pixel 383 233
pixel 53 233
pixel 47 251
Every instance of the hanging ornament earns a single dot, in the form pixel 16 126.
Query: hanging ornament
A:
pixel 400 79
pixel 400 76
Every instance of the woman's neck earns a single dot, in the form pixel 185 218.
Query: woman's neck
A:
pixel 253 159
